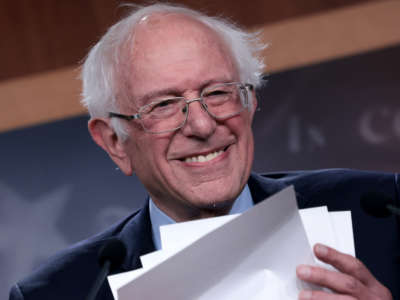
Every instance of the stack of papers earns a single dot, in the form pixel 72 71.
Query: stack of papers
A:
pixel 248 256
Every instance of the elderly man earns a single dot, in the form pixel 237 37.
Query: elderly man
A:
pixel 171 97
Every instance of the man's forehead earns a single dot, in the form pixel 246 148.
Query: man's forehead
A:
pixel 171 25
pixel 168 49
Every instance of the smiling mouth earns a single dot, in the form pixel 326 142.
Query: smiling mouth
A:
pixel 205 158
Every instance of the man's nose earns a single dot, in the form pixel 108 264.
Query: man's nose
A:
pixel 199 122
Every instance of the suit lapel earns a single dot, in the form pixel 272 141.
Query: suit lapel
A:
pixel 137 237
pixel 263 187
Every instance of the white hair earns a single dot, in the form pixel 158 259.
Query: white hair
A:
pixel 104 72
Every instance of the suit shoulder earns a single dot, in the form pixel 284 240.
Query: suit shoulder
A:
pixel 317 187
pixel 329 177
pixel 65 266
pixel 70 270
pixel 321 173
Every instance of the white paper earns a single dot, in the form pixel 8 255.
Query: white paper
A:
pixel 319 229
pixel 176 236
pixel 343 229
pixel 251 256
pixel 179 235
pixel 154 258
pixel 267 239
pixel 317 223
pixel 116 281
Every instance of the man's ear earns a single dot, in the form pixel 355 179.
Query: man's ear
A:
pixel 104 135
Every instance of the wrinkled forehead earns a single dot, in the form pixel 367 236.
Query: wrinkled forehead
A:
pixel 168 45
pixel 162 31
pixel 173 25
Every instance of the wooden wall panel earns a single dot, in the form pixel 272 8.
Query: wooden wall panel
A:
pixel 44 35
pixel 40 98
pixel 333 34
pixel 295 42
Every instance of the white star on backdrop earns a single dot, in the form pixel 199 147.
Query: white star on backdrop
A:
pixel 28 232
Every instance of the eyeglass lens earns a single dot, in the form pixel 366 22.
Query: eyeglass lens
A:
pixel 221 101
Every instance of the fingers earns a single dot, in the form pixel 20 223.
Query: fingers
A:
pixel 352 280
pixel 338 282
pixel 344 263
pixel 317 295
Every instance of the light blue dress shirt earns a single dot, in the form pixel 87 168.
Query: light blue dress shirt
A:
pixel 158 218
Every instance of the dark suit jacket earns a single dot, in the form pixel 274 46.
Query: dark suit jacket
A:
pixel 70 274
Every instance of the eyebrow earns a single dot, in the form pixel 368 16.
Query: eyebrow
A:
pixel 158 93
pixel 175 92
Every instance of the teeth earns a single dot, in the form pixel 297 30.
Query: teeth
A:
pixel 204 158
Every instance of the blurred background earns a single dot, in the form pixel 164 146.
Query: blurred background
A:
pixel 331 99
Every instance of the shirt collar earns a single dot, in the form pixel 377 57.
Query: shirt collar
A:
pixel 158 218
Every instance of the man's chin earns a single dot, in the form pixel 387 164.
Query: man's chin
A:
pixel 215 201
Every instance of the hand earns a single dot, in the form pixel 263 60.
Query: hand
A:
pixel 352 280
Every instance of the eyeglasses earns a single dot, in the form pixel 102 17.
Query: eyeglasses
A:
pixel 221 101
